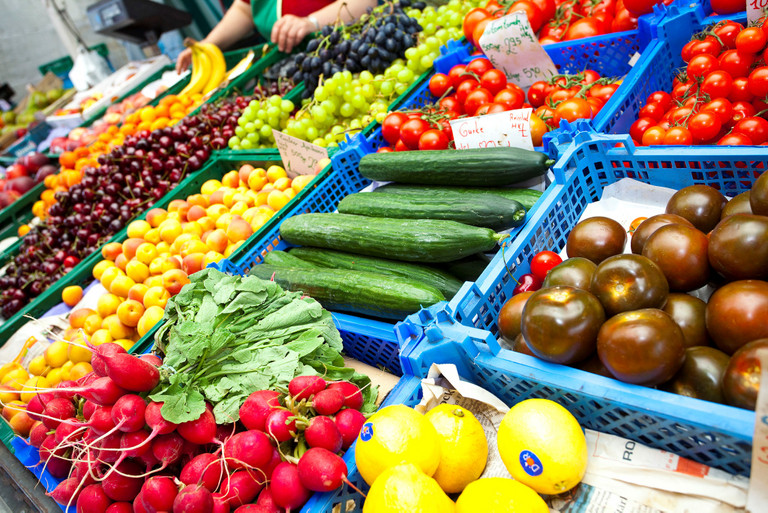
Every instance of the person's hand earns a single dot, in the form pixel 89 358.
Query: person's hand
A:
pixel 183 60
pixel 289 31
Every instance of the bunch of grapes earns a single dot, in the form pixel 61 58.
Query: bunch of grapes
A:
pixel 259 118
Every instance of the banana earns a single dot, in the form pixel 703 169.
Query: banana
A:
pixel 218 68
pixel 200 72
pixel 193 76
pixel 240 68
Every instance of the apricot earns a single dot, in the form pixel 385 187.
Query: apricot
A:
pixel 72 295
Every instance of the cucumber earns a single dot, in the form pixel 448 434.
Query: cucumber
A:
pixel 475 167
pixel 283 259
pixel 411 240
pixel 526 197
pixel 486 210
pixel 378 295
pixel 442 281
pixel 470 268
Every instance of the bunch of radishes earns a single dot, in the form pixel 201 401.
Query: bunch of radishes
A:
pixel 119 455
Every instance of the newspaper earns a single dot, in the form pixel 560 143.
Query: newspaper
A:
pixel 622 475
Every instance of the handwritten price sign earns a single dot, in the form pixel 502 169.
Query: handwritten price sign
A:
pixel 756 9
pixel 511 128
pixel 511 45
pixel 757 495
pixel 299 157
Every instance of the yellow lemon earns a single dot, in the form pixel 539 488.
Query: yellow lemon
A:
pixel 499 495
pixel 463 447
pixel 393 435
pixel 543 446
pixel 403 488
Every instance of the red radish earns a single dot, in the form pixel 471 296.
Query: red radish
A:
pixel 131 373
pixel 101 421
pixel 105 351
pixel 322 432
pixel 88 409
pixel 63 389
pixel 154 419
pixel 138 504
pixel 49 449
pixel 86 468
pixel 38 434
pixel 248 449
pixel 135 444
pixel 109 447
pixel 251 508
pixel 148 459
pixel 320 470
pixel 204 469
pixel 304 387
pixel 167 448
pixel 349 422
pixel 120 507
pixel 57 410
pixel 58 467
pixel 201 431
pixel 273 463
pixel 193 499
pixel 119 487
pixel 102 391
pixel 268 502
pixel 287 490
pixel 254 411
pixel 158 493
pixel 92 500
pixel 353 397
pixel 224 432
pixel 281 425
pixel 242 487
pixel 66 492
pixel 128 413
pixel 328 401
pixel 219 504
pixel 68 432
pixel 35 408
pixel 150 358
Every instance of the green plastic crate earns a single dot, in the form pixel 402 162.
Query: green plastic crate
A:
pixel 19 212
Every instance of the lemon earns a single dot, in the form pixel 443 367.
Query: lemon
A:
pixel 406 489
pixel 396 434
pixel 463 447
pixel 543 446
pixel 499 494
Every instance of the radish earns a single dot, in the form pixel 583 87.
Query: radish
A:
pixel 66 492
pixel 328 401
pixel 349 422
pixel 120 507
pixel 50 450
pixel 224 432
pixel 158 493
pixel 251 508
pixel 63 389
pixel 88 409
pixel 193 499
pixel 304 387
pixel 204 469
pixel 148 459
pixel 268 502
pixel 150 358
pixel 109 447
pixel 135 444
pixel 320 470
pixel 322 432
pixel 273 463
pixel 119 486
pixel 241 487
pixel 38 434
pixel 93 500
pixel 248 449
pixel 201 431
pixel 128 413
pixel 58 467
pixel 104 351
pixel 281 425
pixel 131 373
pixel 138 504
pixel 102 391
pixel 35 407
pixel 68 432
pixel 85 468
pixel 219 504
pixel 254 411
pixel 56 410
pixel 101 421
pixel 353 397
pixel 287 490
pixel 167 448
pixel 155 420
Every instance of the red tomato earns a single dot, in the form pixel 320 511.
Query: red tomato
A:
pixel 494 80
pixel 472 18
pixel 451 104
pixel 546 114
pixel 439 84
pixel 639 7
pixel 433 139
pixel 717 84
pixel 680 115
pixel 758 82
pixel 735 139
pixel 479 29
pixel 760 105
pixel 476 98
pixel 740 90
pixel 510 98
pixel 704 126
pixel 590 76
pixel 465 88
pixel 596 104
pixel 479 66
pixel 560 95
pixel 652 110
pixel 400 146
pixel 390 128
pixel 743 110
pixel 385 149
pixel 639 127
pixel 603 92
pixel 753 127
pixel 538 93
pixel 543 262
pixel 709 45
pixel 663 98
pixel 623 20
pixel 457 75
pixel 554 29
pixel 721 107
pixel 726 31
pixel 687 51
pixel 751 40
pixel 736 63
pixel 572 109
pixel 701 66
pixel 727 6
pixel 653 136
pixel 489 108
pixel 411 131
pixel 547 8
pixel 585 27
pixel 678 135
pixel 682 90
pixel 531 10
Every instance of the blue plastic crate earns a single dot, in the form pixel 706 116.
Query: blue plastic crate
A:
pixel 30 458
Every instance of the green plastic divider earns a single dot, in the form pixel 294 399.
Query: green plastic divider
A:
pixel 6 435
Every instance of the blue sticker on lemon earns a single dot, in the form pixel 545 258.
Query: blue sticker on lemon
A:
pixel 367 432
pixel 531 463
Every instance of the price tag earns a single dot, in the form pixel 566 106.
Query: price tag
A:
pixel 756 9
pixel 510 128
pixel 757 495
pixel 299 157
pixel 511 45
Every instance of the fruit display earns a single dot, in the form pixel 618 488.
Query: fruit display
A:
pixel 16 121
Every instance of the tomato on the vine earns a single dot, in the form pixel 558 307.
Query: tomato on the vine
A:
pixel 717 84
pixel 652 110
pixel 639 127
pixel 751 40
pixel 740 90
pixel 572 109
pixel 538 129
pixel 726 31
pixel 758 82
pixel 543 262
pixel 596 104
pixel 457 76
pixel 475 99
pixel 400 146
pixel 704 126
pixel 663 98
pixel 678 135
pixel 736 63
pixel 735 139
pixel 411 131
pixel 623 21
pixel 489 108
pixel 451 104
pixel 743 110
pixel 726 6
pixel 639 7
pixel 653 136
pixel 753 127
pixel 602 92
pixel 390 128
pixel 385 149
pixel 538 92
pixel 531 10
pixel 465 88
pixel 472 18
pixel 439 84
pixel 590 76
pixel 701 65
pixel 585 27
pixel 510 98
pixel 494 80
pixel 433 139
pixel 709 45
pixel 721 107
pixel 560 95
pixel 479 66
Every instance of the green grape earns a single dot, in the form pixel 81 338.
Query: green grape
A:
pixel 381 116
pixel 266 131
pixel 246 144
pixel 240 131
pixel 234 141
pixel 242 121
pixel 348 95
pixel 286 106
pixel 253 138
pixel 283 124
pixel 366 77
pixel 318 112
pixel 272 122
pixel 249 127
pixel 358 102
pixel 336 130
pixel 387 88
pixel 401 88
pixel 406 75
pixel 410 53
pixel 346 110
pixel 368 91
pixel 311 133
pixel 275 100
pixel 414 65
pixel 262 115
pixel 426 61
pixel 258 124
pixel 347 75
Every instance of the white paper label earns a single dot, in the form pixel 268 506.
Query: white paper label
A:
pixel 511 128
pixel 756 9
pixel 633 60
pixel 511 45
pixel 299 157
pixel 757 497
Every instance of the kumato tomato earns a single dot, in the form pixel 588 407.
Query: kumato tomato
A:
pixel 596 239
pixel 758 195
pixel 510 315
pixel 738 205
pixel 594 365
pixel 738 248
pixel 681 253
pixel 701 375
pixel 741 381
pixel 520 345
pixel 689 313
pixel 574 272
pixel 650 225
pixel 629 282
pixel 700 204
pixel 736 314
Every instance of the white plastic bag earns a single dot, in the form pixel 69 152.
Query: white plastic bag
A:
pixel 89 69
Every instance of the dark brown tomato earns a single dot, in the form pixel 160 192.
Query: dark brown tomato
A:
pixel 738 205
pixel 596 239
pixel 595 366
pixel 700 204
pixel 511 314
pixel 561 324
pixel 737 313
pixel 574 272
pixel 741 381
pixel 629 282
pixel 689 313
pixel 650 225
pixel 681 253
pixel 644 347
pixel 701 375
pixel 518 345
pixel 738 247
pixel 758 197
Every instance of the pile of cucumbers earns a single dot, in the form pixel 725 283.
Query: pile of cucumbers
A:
pixel 409 244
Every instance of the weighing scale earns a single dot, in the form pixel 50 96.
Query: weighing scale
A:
pixel 138 21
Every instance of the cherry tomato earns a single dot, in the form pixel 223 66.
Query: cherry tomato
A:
pixel 652 110
pixel 479 66
pixel 680 115
pixel 547 114
pixel 525 283
pixel 735 139
pixel 740 90
pixel 439 84
pixel 457 75
pixel 510 98
pixel 400 146
pixel 721 107
pixel 751 40
pixel 475 99
pixel 560 95
pixel 590 76
pixel 663 98
pixel 736 63
pixel 704 126
pixel 701 66
pixel 596 104
pixel 709 45
pixel 635 223
pixel 726 31
pixel 743 110
pixel 572 109
pixel 758 81
pixel 639 127
pixel 411 131
pixel 554 30
pixel 390 128
pixel 639 7
pixel 451 104
pixel 543 262
pixel 680 91
pixel 760 105
pixel 494 80
pixel 653 136
pixel 678 135
pixel 687 51
pixel 717 84
pixel 538 129
pixel 538 93
pixel 531 10
pixel 385 149
pixel 753 127
pixel 623 21
pixel 490 108
pixel 585 27
pixel 547 8
pixel 472 18
pixel 433 139
pixel 603 92
pixel 479 30
pixel 726 6
pixel 465 88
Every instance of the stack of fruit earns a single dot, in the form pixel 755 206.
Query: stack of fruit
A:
pixel 17 122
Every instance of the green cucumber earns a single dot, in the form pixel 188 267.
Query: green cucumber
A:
pixel 526 197
pixel 378 295
pixel 470 268
pixel 443 281
pixel 411 240
pixel 488 210
pixel 283 259
pixel 475 167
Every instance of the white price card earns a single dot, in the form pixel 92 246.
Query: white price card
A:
pixel 511 128
pixel 299 157
pixel 756 9
pixel 511 45
pixel 757 496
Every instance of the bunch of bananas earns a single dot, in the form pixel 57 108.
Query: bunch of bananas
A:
pixel 208 68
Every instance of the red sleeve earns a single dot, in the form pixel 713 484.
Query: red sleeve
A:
pixel 303 7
